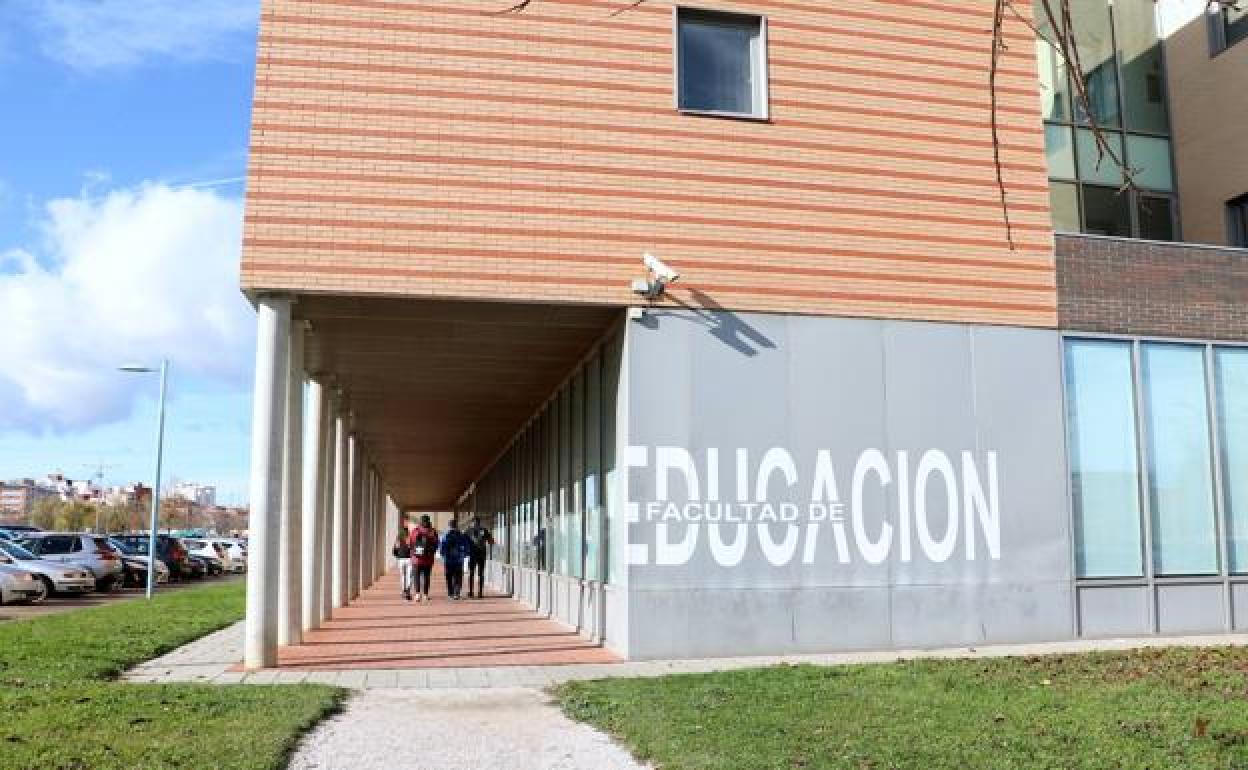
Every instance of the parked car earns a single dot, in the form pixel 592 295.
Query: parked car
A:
pixel 15 531
pixel 235 554
pixel 197 567
pixel 169 550
pixel 57 577
pixel 134 566
pixel 216 554
pixel 90 551
pixel 20 585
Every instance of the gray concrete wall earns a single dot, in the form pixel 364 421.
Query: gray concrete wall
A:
pixel 838 448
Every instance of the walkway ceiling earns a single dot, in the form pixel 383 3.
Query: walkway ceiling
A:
pixel 437 386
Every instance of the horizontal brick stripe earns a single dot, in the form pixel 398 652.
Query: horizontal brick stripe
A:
pixel 921 25
pixel 419 113
pixel 509 185
pixel 323 131
pixel 1023 262
pixel 593 214
pixel 591 217
pixel 616 24
pixel 271 84
pixel 376 69
pixel 1043 283
pixel 279 151
pixel 777 63
pixel 581 281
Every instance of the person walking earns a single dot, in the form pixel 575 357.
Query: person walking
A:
pixel 402 551
pixel 424 549
pixel 481 540
pixel 455 548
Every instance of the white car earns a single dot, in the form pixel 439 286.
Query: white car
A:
pixel 232 555
pixel 57 577
pixel 20 585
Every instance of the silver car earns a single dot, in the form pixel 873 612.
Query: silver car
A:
pixel 57 577
pixel 20 585
pixel 90 551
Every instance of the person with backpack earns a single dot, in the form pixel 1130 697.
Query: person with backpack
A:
pixel 402 551
pixel 481 540
pixel 455 548
pixel 424 549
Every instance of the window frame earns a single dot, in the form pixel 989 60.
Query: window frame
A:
pixel 1237 222
pixel 764 70
pixel 1219 23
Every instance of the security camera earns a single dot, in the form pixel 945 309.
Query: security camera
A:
pixel 662 273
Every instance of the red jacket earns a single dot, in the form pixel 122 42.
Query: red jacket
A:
pixel 428 538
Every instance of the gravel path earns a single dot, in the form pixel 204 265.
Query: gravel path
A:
pixel 497 729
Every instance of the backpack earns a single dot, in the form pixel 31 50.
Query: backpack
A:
pixel 421 548
pixel 402 548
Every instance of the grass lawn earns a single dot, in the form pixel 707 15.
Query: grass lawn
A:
pixel 60 707
pixel 1160 708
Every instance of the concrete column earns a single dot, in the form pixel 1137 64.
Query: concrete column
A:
pixel 383 531
pixel 326 570
pixel 313 507
pixel 267 450
pixel 366 526
pixel 342 512
pixel 290 581
pixel 356 462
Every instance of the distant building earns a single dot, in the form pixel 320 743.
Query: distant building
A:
pixel 17 498
pixel 199 494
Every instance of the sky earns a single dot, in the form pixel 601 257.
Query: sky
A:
pixel 121 161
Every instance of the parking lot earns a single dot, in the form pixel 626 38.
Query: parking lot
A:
pixel 56 604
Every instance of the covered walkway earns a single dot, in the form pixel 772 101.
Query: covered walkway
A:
pixel 381 630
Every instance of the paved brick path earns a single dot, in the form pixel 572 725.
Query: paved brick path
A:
pixel 381 630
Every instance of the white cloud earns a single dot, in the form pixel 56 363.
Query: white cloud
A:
pixel 130 275
pixel 100 34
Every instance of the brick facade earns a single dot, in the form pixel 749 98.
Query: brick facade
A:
pixel 447 150
pixel 1123 286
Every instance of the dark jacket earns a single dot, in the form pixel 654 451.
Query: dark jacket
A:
pixel 455 547
pixel 481 541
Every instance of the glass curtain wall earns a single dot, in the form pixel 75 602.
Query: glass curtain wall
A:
pixel 1124 76
pixel 1158 443
pixel 546 495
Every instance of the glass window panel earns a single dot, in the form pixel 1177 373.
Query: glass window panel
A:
pixel 1180 472
pixel 593 468
pixel 1064 204
pixel 1094 166
pixel 1156 218
pixel 1060 151
pixel 1054 86
pixel 1106 211
pixel 1143 76
pixel 720 63
pixel 1094 37
pixel 576 541
pixel 1232 382
pixel 1100 404
pixel 1149 156
pixel 1236 21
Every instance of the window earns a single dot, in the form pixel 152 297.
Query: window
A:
pixel 1124 75
pixel 721 63
pixel 1180 467
pixel 1237 222
pixel 1227 26
pixel 1232 382
pixel 1100 405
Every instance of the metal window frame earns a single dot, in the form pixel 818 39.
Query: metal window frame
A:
pixel 764 72
pixel 1224 577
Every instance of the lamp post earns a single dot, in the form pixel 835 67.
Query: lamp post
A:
pixel 160 450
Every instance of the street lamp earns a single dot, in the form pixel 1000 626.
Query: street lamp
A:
pixel 160 449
